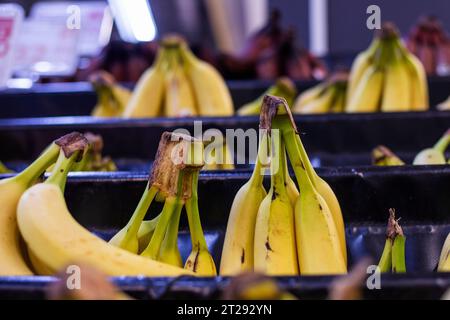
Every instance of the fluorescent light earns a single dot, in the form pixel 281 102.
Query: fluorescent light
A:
pixel 134 20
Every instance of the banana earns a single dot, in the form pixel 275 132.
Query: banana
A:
pixel 318 219
pixel 275 250
pixel 368 91
pixel 419 83
pixel 444 106
pixel 127 238
pixel 398 253
pixel 11 189
pixel 237 251
pixel 320 105
pixel 383 156
pixel 385 263
pixel 200 260
pixel 308 96
pixel 283 87
pixel 291 187
pixel 397 87
pixel 445 255
pixel 4 169
pixel 362 62
pixel 112 98
pixel 169 252
pixel 219 156
pixel 339 103
pixel 179 98
pixel 147 98
pixel 56 238
pixel 211 92
pixel 435 155
pixel 293 141
pixel 318 245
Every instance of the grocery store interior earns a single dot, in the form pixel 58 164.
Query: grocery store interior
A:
pixel 227 149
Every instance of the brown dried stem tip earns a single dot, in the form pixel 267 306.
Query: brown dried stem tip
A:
pixel 72 143
pixel 388 31
pixel 176 153
pixel 173 41
pixel 102 79
pixel 95 141
pixel 393 229
pixel 271 106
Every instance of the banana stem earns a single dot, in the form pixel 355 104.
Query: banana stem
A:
pixel 140 212
pixel 170 241
pixel 33 171
pixel 303 170
pixel 61 169
pixel 193 214
pixel 443 143
pixel 170 205
pixel 385 263
pixel 398 254
pixel 257 177
pixel 277 171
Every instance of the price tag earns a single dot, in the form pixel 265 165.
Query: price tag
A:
pixel 93 20
pixel 46 48
pixel 11 16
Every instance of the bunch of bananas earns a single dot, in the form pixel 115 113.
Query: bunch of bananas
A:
pixel 53 238
pixel 174 181
pixel 329 96
pixel 383 156
pixel 178 85
pixel 393 257
pixel 112 98
pixel 387 77
pixel 286 232
pixel 283 87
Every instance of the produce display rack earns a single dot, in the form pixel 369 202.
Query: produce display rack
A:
pixel 78 99
pixel 102 202
pixel 330 139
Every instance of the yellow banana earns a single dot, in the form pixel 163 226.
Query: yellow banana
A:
pixel 179 98
pixel 275 246
pixel 147 98
pixel 382 156
pixel 445 256
pixel 145 233
pixel 291 187
pixel 210 90
pixel 368 91
pixel 237 251
pixel 362 62
pixel 434 155
pixel 12 262
pixel 112 98
pixel 56 238
pixel 397 88
pixel 308 96
pixel 283 87
pixel 200 260
pixel 329 215
pixel 4 169
pixel 322 104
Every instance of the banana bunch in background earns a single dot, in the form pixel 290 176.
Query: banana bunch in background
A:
pixel 329 96
pixel 383 156
pixel 175 182
pixel 387 77
pixel 283 231
pixel 179 85
pixel 112 98
pixel 283 87
pixel 444 259
pixel 393 257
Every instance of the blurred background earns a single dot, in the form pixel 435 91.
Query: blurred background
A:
pixel 239 37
